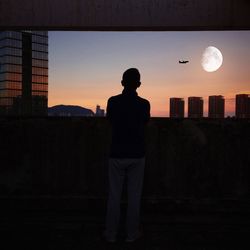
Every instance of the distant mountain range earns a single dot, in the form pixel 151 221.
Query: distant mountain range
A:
pixel 69 110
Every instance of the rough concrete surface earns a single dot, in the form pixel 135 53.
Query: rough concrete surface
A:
pixel 125 14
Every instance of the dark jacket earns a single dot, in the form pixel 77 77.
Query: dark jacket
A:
pixel 128 114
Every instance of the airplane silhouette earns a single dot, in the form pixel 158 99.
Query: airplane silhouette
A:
pixel 183 61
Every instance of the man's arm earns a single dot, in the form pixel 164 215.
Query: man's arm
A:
pixel 109 109
pixel 147 111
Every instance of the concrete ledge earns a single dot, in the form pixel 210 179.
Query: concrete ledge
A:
pixel 125 15
pixel 186 159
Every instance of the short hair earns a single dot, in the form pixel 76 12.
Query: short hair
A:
pixel 131 75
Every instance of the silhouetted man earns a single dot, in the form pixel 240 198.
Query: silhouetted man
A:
pixel 128 114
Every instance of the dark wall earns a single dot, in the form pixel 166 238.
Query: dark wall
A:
pixel 186 159
pixel 126 14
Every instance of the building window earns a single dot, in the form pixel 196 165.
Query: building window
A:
pixel 10 43
pixel 39 39
pixel 11 68
pixel 39 63
pixel 39 47
pixel 10 77
pixel 40 71
pixel 39 87
pixel 10 51
pixel 40 93
pixel 11 59
pixel 40 55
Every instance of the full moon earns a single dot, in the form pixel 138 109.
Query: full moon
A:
pixel 211 59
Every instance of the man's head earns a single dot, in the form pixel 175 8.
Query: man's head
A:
pixel 131 79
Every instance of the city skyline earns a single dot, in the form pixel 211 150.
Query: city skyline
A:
pixel 85 68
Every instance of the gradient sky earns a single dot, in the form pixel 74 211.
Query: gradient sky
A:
pixel 85 68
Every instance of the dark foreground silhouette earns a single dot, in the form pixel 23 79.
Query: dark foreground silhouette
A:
pixel 67 229
pixel 197 201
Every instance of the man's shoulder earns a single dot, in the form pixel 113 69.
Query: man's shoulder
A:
pixel 144 101
pixel 114 101
pixel 117 98
pixel 114 98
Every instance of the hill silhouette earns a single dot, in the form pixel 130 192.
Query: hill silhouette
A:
pixel 69 110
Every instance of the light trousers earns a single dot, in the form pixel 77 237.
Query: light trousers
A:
pixel 118 169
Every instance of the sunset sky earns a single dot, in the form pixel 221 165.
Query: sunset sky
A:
pixel 85 68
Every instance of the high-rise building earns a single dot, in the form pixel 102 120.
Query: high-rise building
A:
pixel 242 106
pixel 99 111
pixel 23 73
pixel 176 107
pixel 216 106
pixel 195 107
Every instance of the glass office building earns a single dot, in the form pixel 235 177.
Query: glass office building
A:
pixel 24 73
